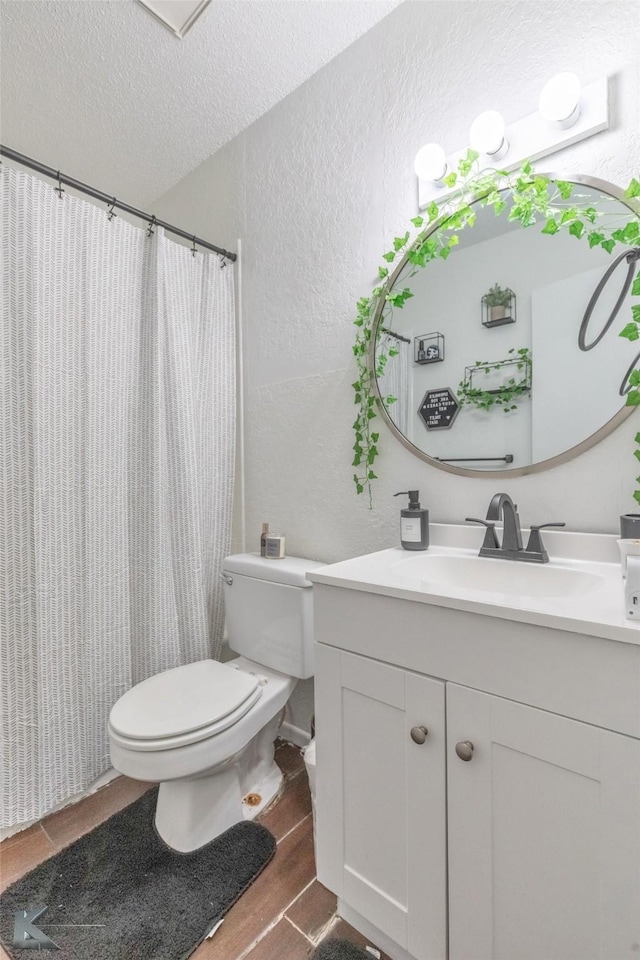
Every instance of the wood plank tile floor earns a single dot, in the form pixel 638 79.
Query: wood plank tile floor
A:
pixel 283 915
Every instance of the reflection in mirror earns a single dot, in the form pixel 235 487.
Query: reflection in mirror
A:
pixel 508 356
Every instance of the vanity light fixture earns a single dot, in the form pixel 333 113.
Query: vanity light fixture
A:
pixel 567 114
pixel 487 135
pixel 559 101
pixel 431 163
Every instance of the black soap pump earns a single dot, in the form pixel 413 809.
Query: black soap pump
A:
pixel 414 523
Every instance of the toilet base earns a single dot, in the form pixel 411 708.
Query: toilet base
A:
pixel 192 811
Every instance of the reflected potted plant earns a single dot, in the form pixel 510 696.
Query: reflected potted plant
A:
pixel 497 302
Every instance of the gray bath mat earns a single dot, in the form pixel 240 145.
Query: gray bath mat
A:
pixel 340 950
pixel 119 893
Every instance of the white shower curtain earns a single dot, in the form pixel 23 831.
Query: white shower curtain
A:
pixel 396 381
pixel 117 447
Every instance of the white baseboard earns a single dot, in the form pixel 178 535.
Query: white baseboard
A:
pixel 293 734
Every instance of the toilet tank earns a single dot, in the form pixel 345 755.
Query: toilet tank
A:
pixel 269 611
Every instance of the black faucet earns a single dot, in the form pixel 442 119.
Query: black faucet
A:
pixel 503 508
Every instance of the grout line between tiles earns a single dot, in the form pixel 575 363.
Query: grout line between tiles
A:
pixel 274 922
pixel 298 895
pixel 325 929
pixel 294 828
pixel 49 838
pixel 296 927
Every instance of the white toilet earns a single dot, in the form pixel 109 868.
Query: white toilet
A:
pixel 205 730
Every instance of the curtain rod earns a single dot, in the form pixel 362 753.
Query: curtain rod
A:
pixel 396 336
pixel 111 201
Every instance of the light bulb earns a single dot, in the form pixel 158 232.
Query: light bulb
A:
pixel 486 134
pixel 430 162
pixel 560 100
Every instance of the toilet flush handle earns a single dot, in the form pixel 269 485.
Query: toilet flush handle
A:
pixel 227 579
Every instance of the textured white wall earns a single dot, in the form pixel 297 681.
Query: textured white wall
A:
pixel 317 188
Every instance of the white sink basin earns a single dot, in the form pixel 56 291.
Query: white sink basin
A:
pixel 494 576
pixel 580 589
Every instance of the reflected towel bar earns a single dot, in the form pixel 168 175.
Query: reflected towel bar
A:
pixel 508 458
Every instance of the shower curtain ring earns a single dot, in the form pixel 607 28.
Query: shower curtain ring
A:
pixel 59 189
pixel 111 213
pixel 222 260
pixel 151 225
pixel 193 246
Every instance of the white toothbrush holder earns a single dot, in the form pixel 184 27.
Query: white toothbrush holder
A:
pixel 630 562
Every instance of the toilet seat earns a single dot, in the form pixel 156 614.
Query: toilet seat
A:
pixel 183 705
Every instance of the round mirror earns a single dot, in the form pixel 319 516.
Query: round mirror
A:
pixel 507 358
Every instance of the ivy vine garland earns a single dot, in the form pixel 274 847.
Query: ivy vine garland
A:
pixel 530 197
pixel 506 395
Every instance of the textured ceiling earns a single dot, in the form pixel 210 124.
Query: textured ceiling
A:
pixel 103 92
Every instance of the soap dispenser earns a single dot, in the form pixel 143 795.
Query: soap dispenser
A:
pixel 414 523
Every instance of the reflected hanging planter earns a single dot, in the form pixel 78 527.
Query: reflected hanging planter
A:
pixel 498 306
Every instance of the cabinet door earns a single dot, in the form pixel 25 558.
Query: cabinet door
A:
pixel 381 809
pixel 544 835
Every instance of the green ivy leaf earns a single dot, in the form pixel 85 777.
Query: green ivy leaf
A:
pixel 433 211
pixel 400 242
pixel 595 238
pixel 550 227
pixel 383 272
pixel 633 190
pixel 565 189
pixel 389 257
pixel 634 379
pixel 417 221
pixel 636 496
pixel 451 179
pixel 569 214
pixel 608 245
pixel 635 289
pixel 630 332
pixel 633 400
pixel 635 313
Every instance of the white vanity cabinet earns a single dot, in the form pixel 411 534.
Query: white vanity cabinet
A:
pixel 513 831
pixel 381 807
pixel 544 834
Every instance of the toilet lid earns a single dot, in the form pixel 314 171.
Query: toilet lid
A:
pixel 181 700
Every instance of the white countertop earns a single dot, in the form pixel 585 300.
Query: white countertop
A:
pixel 598 611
